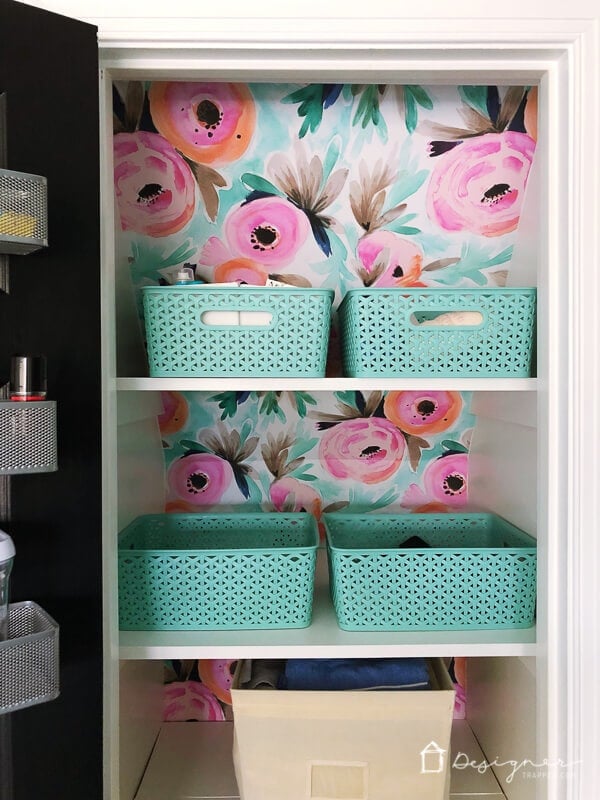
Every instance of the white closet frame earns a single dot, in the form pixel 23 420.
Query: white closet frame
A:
pixel 562 56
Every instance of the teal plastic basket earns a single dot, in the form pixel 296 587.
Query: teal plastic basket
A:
pixel 217 572
pixel 248 331
pixel 473 571
pixel 390 333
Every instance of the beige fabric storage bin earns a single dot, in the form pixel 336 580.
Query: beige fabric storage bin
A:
pixel 347 745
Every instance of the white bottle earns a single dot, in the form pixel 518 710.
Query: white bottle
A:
pixel 7 554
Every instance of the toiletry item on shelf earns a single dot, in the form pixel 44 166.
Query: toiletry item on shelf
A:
pixel 186 277
pixel 13 223
pixel 454 318
pixel 28 378
pixel 7 554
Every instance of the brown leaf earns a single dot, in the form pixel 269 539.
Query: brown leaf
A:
pixel 476 122
pixel 292 280
pixel 510 105
pixel 134 104
pixel 372 403
pixel 444 132
pixel 208 179
pixel 388 216
pixel 440 263
pixel 414 445
pixel 118 126
pixel 500 277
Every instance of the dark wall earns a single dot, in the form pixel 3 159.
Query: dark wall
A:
pixel 49 70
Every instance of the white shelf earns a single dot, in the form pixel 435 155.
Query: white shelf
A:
pixel 324 384
pixel 323 639
pixel 192 761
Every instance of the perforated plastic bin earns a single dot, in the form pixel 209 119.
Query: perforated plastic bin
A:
pixel 252 331
pixel 238 571
pixel 28 436
pixel 414 332
pixel 468 571
pixel 23 212
pixel 29 672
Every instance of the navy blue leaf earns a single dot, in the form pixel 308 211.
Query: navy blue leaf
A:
pixel 331 92
pixel 439 148
pixel 257 195
pixel 493 103
pixel 320 234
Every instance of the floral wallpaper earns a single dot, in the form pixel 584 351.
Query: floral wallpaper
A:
pixel 321 452
pixel 334 186
pixel 331 186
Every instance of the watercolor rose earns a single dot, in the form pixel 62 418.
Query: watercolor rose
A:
pixel 175 412
pixel 445 480
pixel 190 700
pixel 154 186
pixel 479 185
pixel 210 466
pixel 210 123
pixel 422 412
pixel 386 258
pixel 369 450
pixel 291 489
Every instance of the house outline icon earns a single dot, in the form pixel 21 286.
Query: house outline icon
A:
pixel 432 758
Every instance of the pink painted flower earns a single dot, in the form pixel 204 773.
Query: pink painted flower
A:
pixel 479 185
pixel 175 412
pixel 154 186
pixel 389 259
pixel 293 495
pixel 369 450
pixel 210 123
pixel 269 230
pixel 190 700
pixel 445 480
pixel 200 478
pixel 422 412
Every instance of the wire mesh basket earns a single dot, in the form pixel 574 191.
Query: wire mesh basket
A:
pixel 28 436
pixel 23 212
pixel 29 667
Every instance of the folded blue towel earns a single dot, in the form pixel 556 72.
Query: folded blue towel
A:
pixel 355 673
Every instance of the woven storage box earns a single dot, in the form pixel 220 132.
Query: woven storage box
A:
pixel 240 571
pixel 197 331
pixel 28 658
pixel 359 745
pixel 477 571
pixel 23 212
pixel 389 332
pixel 28 436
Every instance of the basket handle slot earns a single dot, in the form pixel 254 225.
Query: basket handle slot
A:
pixel 447 319
pixel 235 318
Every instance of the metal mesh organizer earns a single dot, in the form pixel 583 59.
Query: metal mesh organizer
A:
pixel 225 571
pixel 23 212
pixel 29 668
pixel 472 571
pixel 28 436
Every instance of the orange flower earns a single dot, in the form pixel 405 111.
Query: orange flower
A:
pixel 422 412
pixel 210 123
